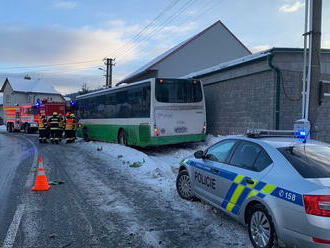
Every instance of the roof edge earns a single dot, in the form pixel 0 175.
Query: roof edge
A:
pixel 196 37
pixel 3 85
pixel 186 43
pixel 247 59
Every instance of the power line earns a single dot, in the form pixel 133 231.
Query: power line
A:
pixel 157 28
pixel 139 34
pixel 49 65
pixel 161 27
pixel 154 21
pixel 208 6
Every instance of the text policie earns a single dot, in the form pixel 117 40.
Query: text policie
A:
pixel 205 180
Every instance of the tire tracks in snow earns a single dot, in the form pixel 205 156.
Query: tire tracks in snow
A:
pixel 159 221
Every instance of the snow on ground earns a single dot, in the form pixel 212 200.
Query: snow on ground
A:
pixel 2 128
pixel 156 166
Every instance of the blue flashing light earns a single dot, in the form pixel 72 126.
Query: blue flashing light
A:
pixel 302 135
pixel 38 103
pixel 73 103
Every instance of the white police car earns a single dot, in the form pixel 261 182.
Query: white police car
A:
pixel 278 186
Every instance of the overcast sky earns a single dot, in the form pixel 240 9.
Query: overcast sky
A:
pixel 38 34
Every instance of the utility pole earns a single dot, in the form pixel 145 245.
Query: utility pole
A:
pixel 311 75
pixel 109 62
pixel 314 71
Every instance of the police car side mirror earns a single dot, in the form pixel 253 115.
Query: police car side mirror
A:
pixel 199 154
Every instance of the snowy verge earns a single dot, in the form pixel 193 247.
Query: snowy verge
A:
pixel 2 128
pixel 156 166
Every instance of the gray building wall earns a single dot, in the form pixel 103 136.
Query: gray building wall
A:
pixel 216 46
pixel 235 105
pixel 212 46
pixel 244 97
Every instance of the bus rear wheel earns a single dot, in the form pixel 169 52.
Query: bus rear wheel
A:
pixel 122 137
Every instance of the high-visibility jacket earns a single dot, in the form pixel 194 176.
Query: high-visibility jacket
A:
pixel 42 124
pixel 54 123
pixel 61 123
pixel 69 123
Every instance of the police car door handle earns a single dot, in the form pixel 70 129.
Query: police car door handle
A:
pixel 249 181
pixel 214 170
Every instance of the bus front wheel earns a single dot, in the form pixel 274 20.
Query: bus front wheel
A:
pixel 122 137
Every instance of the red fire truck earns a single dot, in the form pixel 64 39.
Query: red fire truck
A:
pixel 25 117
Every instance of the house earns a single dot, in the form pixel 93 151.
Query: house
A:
pixel 216 44
pixel 262 91
pixel 24 91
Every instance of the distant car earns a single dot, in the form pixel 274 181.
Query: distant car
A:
pixel 277 186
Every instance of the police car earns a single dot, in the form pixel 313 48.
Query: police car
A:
pixel 278 186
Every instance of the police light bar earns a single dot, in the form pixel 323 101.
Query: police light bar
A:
pixel 258 133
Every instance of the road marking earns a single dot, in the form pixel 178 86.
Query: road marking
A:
pixel 13 228
pixel 29 181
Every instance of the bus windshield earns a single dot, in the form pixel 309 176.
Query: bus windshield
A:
pixel 178 91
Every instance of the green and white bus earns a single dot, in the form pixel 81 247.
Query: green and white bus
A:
pixel 151 112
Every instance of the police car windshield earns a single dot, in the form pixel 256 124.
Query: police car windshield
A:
pixel 310 160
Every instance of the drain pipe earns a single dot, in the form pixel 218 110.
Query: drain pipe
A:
pixel 278 90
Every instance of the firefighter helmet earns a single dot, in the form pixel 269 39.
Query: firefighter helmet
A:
pixel 72 115
pixel 55 114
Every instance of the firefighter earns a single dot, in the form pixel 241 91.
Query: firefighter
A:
pixel 42 127
pixel 74 128
pixel 54 126
pixel 68 127
pixel 61 126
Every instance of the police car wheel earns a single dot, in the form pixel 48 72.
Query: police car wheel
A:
pixel 261 228
pixel 183 186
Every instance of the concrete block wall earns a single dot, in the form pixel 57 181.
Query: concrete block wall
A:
pixel 291 104
pixel 244 97
pixel 291 98
pixel 237 104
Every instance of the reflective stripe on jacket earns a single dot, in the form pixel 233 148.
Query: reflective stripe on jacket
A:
pixel 54 123
pixel 69 124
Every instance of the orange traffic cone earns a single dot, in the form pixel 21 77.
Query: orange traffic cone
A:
pixel 41 183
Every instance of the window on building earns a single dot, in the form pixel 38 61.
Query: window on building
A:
pixel 8 99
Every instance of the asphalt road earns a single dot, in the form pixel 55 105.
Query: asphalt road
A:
pixel 98 205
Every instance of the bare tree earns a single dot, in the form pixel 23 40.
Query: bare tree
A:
pixel 84 89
